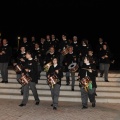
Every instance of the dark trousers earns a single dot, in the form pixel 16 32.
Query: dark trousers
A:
pixel 85 95
pixel 32 86
pixel 55 90
pixel 4 71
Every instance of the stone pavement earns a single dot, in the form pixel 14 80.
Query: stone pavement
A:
pixel 9 110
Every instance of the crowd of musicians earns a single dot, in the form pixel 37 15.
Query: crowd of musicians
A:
pixel 55 56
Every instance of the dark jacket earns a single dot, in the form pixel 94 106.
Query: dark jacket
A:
pixel 51 72
pixel 83 72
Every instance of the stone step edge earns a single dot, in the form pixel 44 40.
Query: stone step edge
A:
pixel 63 90
pixel 44 95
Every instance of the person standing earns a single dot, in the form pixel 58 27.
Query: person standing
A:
pixel 87 70
pixel 69 59
pixel 104 61
pixel 55 70
pixel 31 70
pixel 5 57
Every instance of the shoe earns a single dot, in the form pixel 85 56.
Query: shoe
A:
pixel 6 82
pixel 101 75
pixel 21 92
pixel 21 105
pixel 37 103
pixel 54 108
pixel 95 94
pixel 2 81
pixel 106 81
pixel 51 104
pixel 72 89
pixel 93 104
pixel 84 107
pixel 67 83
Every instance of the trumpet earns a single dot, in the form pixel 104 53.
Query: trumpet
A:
pixel 47 66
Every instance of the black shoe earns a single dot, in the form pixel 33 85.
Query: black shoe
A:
pixel 37 103
pixel 101 75
pixel 21 105
pixel 72 89
pixel 54 108
pixel 67 83
pixel 93 104
pixel 6 82
pixel 2 81
pixel 106 81
pixel 51 104
pixel 84 107
pixel 95 94
pixel 21 92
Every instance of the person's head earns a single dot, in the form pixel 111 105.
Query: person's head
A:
pixel 55 60
pixel 52 49
pixel 24 39
pixel 87 60
pixel 36 45
pixel 105 46
pixel 29 54
pixel 90 52
pixel 75 38
pixel 70 49
pixel 22 48
pixel 4 41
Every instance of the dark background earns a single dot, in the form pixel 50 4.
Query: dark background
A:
pixel 85 18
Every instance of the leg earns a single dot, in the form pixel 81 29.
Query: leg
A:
pixel 84 98
pixel 73 80
pixel 56 92
pixel 67 78
pixel 25 94
pixel 4 72
pixel 101 68
pixel 107 66
pixel 34 91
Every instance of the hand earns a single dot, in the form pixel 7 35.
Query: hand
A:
pixel 56 71
pixel 14 64
pixel 3 52
pixel 65 63
pixel 27 70
pixel 22 59
pixel 90 70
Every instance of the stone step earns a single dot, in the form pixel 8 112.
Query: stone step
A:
pixel 111 73
pixel 61 98
pixel 63 82
pixel 63 87
pixel 12 76
pixel 62 92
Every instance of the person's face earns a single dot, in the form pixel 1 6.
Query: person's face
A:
pixel 52 50
pixel 86 60
pixel 104 47
pixel 4 41
pixel 36 46
pixel 70 50
pixel 22 49
pixel 55 61
pixel 28 56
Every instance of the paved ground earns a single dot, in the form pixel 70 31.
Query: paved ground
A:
pixel 9 110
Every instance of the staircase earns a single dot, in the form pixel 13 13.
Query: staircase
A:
pixel 107 92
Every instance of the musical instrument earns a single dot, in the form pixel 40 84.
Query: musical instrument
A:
pixel 86 83
pixel 64 51
pixel 52 80
pixel 47 66
pixel 18 68
pixel 25 79
pixel 73 67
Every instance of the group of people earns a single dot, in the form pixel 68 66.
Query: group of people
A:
pixel 33 56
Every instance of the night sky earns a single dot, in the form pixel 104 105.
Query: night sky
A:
pixel 84 18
